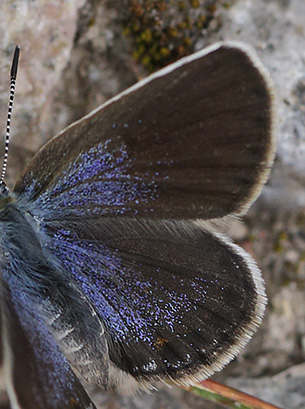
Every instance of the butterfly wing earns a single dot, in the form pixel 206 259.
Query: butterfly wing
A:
pixel 177 301
pixel 191 141
pixel 36 373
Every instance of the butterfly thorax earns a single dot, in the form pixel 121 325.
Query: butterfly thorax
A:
pixel 19 239
pixel 22 254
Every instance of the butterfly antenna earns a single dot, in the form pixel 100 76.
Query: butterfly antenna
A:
pixel 13 76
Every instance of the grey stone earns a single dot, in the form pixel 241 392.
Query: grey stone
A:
pixel 285 389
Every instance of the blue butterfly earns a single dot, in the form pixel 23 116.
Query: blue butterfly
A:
pixel 104 271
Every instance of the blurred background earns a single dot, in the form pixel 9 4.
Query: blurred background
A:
pixel 75 54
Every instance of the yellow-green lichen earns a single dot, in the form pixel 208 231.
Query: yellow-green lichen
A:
pixel 166 30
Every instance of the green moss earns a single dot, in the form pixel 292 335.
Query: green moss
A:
pixel 146 36
pixel 166 30
pixel 181 5
pixel 279 245
pixel 201 22
pixel 195 4
pixel 187 41
pixel 300 219
pixel 164 52
pixel 302 257
pixel 252 238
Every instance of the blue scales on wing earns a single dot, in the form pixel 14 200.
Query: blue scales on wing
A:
pixel 37 373
pixel 175 300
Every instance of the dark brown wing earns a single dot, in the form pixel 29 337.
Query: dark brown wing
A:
pixel 177 302
pixel 193 140
pixel 36 374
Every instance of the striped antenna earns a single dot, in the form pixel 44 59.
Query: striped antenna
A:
pixel 3 187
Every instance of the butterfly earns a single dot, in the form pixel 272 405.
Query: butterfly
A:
pixel 105 274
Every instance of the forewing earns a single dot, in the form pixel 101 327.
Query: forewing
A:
pixel 193 140
pixel 37 375
pixel 177 302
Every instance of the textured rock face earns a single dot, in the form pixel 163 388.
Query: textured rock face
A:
pixel 74 57
pixel 45 32
pixel 276 30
